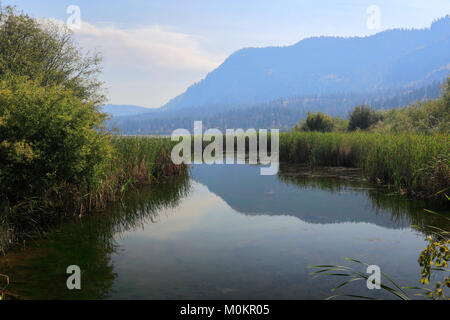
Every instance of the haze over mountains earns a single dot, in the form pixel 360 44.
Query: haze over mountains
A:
pixel 269 86
pixel 116 110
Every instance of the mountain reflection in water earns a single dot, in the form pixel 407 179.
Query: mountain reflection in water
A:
pixel 227 233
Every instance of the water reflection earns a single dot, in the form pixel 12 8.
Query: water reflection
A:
pixel 38 272
pixel 228 233
pixel 324 195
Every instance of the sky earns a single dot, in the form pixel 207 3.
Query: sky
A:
pixel 153 50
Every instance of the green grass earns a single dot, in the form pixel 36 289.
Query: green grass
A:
pixel 415 164
pixel 134 162
pixel 409 163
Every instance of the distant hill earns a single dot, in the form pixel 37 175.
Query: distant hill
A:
pixel 281 113
pixel 326 65
pixel 124 110
pixel 275 87
pixel 299 196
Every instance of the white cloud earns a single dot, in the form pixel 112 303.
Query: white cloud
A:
pixel 148 47
pixel 146 66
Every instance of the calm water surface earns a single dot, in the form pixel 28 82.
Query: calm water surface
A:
pixel 228 233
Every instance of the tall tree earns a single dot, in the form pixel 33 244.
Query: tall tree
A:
pixel 50 123
pixel 45 51
pixel 363 117
pixel 316 122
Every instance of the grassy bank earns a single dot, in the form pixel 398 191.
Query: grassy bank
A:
pixel 137 161
pixel 134 162
pixel 414 164
pixel 409 163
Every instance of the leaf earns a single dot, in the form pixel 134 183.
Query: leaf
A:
pixel 345 283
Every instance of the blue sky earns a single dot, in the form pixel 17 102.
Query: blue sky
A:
pixel 153 50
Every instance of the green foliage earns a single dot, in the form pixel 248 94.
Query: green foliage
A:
pixel 52 146
pixel 363 117
pixel 340 125
pixel 316 122
pixel 46 53
pixel 50 124
pixel 132 162
pixel 446 95
pixel 4 282
pixel 48 137
pixel 55 157
pixel 141 160
pixel 415 164
pixel 435 257
pixel 282 113
pixel 427 117
pixel 351 275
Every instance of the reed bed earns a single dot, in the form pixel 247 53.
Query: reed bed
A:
pixel 409 163
pixel 413 164
pixel 134 162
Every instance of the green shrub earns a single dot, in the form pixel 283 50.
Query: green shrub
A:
pixel 416 164
pixel 316 122
pixel 48 137
pixel 363 117
pixel 55 158
pixel 446 95
pixel 46 53
pixel 424 117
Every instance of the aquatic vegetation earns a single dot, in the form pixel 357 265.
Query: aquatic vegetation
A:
pixel 134 162
pixel 56 158
pixel 353 275
pixel 435 257
pixel 90 241
pixel 413 164
pixel 433 260
pixel 4 294
pixel 406 148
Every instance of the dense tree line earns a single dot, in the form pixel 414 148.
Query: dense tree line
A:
pixel 282 113
pixel 432 116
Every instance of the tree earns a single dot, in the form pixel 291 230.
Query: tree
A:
pixel 446 96
pixel 363 117
pixel 45 52
pixel 48 137
pixel 316 122
pixel 50 125
pixel 428 117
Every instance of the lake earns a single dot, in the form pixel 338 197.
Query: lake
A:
pixel 226 232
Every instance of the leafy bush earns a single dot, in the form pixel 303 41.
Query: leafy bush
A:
pixel 363 117
pixel 416 164
pixel 55 158
pixel 46 53
pixel 446 96
pixel 50 123
pixel 428 117
pixel 316 122
pixel 48 137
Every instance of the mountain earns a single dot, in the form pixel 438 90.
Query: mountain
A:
pixel 281 113
pixel 299 195
pixel 124 110
pixel 275 87
pixel 325 65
